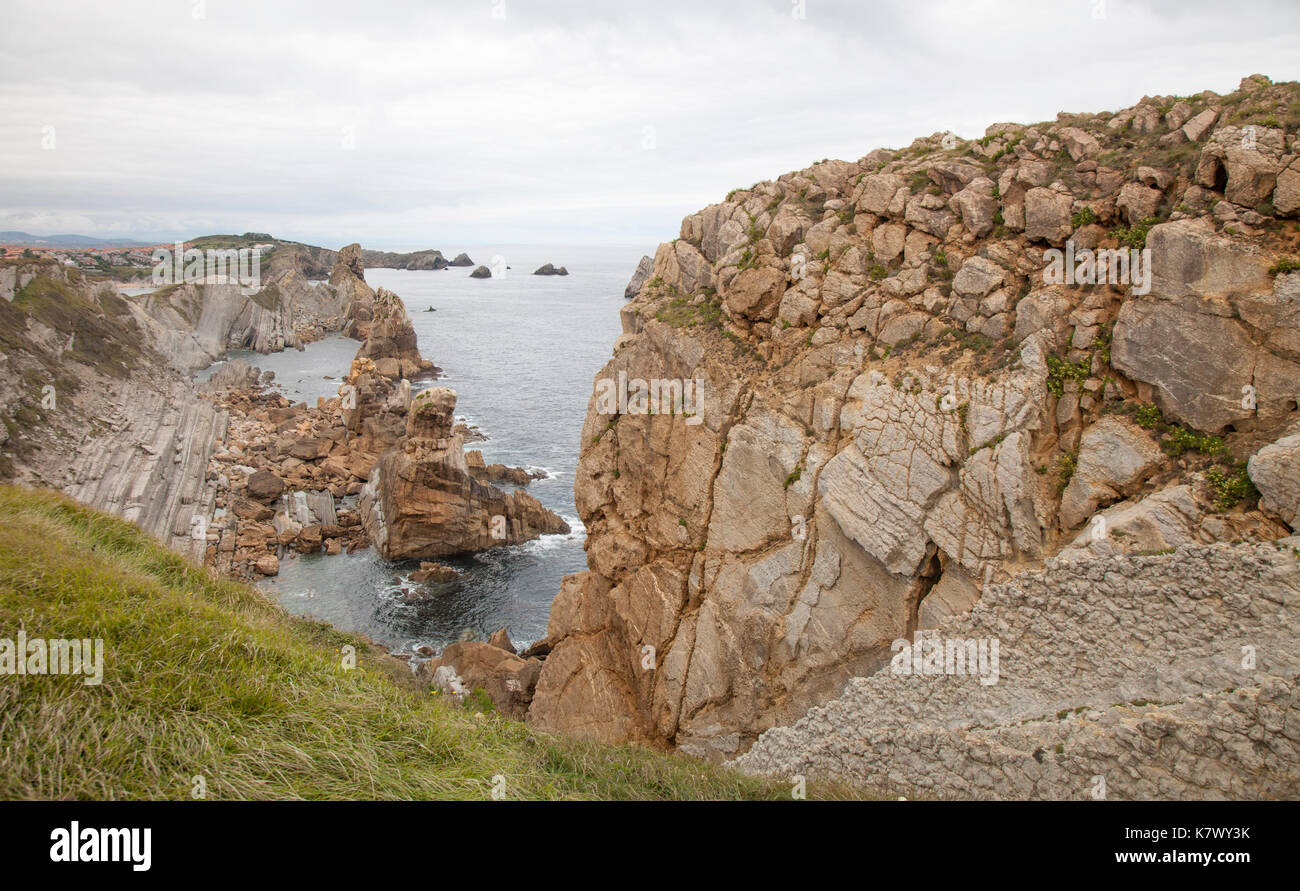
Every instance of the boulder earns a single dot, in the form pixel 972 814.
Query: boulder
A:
pixel 1286 197
pixel 1080 144
pixel 548 269
pixel 756 293
pixel 1196 128
pixel 976 206
pixel 1275 471
pixel 1114 456
pixel 506 678
pixel 461 260
pixel 1047 215
pixel 1138 202
pixel 480 272
pixel 977 277
pixel 265 486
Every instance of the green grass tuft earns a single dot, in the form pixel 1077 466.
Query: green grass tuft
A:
pixel 205 676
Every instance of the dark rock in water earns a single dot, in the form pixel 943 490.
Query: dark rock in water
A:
pixel 481 272
pixel 462 260
pixel 548 269
pixel 430 309
pixel 644 270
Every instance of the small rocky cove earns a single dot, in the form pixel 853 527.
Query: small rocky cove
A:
pixel 909 428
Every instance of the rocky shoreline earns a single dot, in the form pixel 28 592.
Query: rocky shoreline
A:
pixel 230 471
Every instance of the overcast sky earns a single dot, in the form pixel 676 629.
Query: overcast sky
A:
pixel 437 124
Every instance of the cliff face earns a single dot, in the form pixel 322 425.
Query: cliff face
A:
pixel 91 406
pixel 194 324
pixel 904 396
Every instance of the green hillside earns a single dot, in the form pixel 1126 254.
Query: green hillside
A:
pixel 205 676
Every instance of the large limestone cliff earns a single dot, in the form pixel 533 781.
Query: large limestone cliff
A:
pixel 904 399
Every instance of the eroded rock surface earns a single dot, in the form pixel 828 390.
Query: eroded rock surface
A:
pixel 422 502
pixel 901 398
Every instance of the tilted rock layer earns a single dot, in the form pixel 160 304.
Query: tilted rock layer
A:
pixel 895 386
pixel 1172 676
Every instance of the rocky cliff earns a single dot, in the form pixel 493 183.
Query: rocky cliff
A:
pixel 919 375
pixel 97 402
pixel 421 500
pixel 92 406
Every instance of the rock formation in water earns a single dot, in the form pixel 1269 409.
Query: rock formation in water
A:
pixel 911 386
pixel 421 260
pixel 462 260
pixel 231 472
pixel 549 269
pixel 481 272
pixel 422 502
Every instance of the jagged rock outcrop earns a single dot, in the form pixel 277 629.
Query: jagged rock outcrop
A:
pixel 902 394
pixel 1214 325
pixel 390 340
pixel 1171 676
pixel 644 269
pixel 549 269
pixel 507 678
pixel 422 502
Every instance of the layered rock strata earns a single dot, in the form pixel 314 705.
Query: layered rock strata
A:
pixel 914 376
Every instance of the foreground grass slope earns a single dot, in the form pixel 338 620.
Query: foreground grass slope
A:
pixel 204 676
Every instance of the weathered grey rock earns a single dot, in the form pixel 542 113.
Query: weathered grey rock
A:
pixel 1143 705
pixel 1047 216
pixel 1275 471
pixel 977 277
pixel 644 269
pixel 1113 456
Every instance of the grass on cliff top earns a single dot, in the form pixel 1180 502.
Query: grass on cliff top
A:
pixel 206 676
